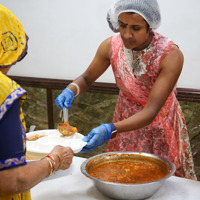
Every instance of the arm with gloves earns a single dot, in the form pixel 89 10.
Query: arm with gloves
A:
pixel 81 84
pixel 98 136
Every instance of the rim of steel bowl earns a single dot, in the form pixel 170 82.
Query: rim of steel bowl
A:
pixel 171 165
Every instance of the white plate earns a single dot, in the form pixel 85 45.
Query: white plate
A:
pixel 53 137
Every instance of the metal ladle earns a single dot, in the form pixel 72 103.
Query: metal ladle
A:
pixel 65 114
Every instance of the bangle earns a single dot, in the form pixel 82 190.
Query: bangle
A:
pixel 113 128
pixel 52 160
pixel 77 88
pixel 58 158
pixel 51 165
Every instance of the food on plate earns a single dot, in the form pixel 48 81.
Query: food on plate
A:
pixel 34 137
pixel 29 156
pixel 66 129
pixel 128 172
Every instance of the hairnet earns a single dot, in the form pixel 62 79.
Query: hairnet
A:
pixel 148 9
pixel 13 40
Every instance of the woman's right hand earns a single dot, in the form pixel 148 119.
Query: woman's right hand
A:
pixel 63 157
pixel 65 99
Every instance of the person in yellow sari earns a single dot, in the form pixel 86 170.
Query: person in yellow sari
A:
pixel 16 175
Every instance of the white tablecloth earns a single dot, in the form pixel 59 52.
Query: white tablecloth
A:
pixel 71 184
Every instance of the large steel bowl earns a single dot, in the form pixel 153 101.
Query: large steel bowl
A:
pixel 127 191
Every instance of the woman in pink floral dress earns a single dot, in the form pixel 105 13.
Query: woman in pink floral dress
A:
pixel 146 66
pixel 167 134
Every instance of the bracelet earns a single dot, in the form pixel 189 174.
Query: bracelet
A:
pixel 113 128
pixel 58 158
pixel 51 165
pixel 77 88
pixel 52 160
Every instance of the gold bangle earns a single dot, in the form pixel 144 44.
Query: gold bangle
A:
pixel 51 166
pixel 57 155
pixel 52 161
pixel 60 160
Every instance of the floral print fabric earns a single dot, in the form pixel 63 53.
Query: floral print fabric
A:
pixel 135 73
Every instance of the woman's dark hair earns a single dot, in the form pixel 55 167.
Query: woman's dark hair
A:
pixel 143 19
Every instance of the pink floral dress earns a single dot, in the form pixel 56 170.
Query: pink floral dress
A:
pixel 135 73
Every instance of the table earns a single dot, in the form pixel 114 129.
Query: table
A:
pixel 73 185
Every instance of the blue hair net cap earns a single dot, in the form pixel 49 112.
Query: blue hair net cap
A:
pixel 148 9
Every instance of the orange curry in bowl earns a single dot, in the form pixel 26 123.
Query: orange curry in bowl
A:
pixel 129 171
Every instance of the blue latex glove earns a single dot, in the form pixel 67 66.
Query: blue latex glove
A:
pixel 97 137
pixel 65 99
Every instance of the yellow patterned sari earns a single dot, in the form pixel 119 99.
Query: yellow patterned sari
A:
pixel 13 48
pixel 9 92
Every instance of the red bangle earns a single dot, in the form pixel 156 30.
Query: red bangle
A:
pixel 51 157
pixel 52 161
pixel 51 165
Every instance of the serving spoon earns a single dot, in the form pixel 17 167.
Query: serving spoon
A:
pixel 65 114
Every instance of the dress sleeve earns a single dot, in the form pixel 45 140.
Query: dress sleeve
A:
pixel 11 139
